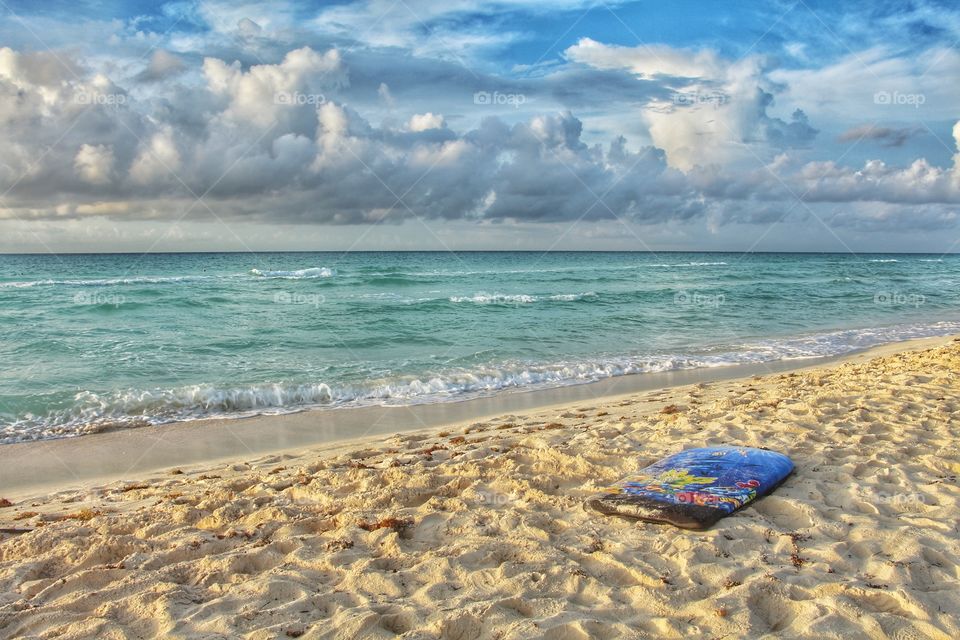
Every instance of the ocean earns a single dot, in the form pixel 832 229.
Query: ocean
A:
pixel 94 342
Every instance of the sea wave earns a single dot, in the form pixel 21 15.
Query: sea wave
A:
pixel 684 264
pixel 107 282
pixel 296 274
pixel 447 273
pixel 91 412
pixel 508 299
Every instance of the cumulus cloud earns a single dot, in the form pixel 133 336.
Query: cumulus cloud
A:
pixel 717 109
pixel 425 121
pixel 94 163
pixel 268 93
pixel 158 161
pixel 282 141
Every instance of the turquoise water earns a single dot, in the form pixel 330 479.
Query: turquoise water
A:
pixel 97 341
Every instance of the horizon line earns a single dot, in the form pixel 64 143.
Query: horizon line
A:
pixel 540 251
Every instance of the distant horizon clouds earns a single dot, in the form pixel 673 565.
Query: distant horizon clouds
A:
pixel 207 125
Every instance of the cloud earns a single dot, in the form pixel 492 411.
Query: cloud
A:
pixel 159 160
pixel 795 134
pixel 885 136
pixel 876 85
pixel 94 163
pixel 163 65
pixel 648 61
pixel 444 30
pixel 383 91
pixel 717 110
pixel 425 122
pixel 248 27
pixel 956 157
pixel 268 93
pixel 316 136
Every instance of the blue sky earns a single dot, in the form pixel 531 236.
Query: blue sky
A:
pixel 470 124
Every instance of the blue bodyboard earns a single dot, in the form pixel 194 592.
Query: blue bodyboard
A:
pixel 693 489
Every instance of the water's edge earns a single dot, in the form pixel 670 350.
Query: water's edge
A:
pixel 28 468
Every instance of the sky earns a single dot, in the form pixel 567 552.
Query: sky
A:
pixel 474 124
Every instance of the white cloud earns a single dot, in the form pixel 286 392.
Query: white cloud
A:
pixel 648 61
pixel 875 85
pixel 315 155
pixel 716 112
pixel 159 160
pixel 94 163
pixel 425 121
pixel 265 93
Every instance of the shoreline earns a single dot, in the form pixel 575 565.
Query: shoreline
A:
pixel 36 467
pixel 480 530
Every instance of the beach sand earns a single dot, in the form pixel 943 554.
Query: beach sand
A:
pixel 478 530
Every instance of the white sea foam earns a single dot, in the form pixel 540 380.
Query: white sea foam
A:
pixel 91 412
pixel 502 298
pixel 884 260
pixel 107 282
pixel 573 297
pixel 315 272
pixel 684 264
pixel 495 298
pixel 296 274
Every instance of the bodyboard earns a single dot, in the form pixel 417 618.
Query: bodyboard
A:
pixel 693 489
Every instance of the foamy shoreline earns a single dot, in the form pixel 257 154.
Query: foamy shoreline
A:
pixel 106 455
pixel 477 531
pixel 92 412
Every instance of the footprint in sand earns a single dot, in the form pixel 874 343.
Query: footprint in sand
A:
pixel 571 631
pixel 463 627
pixel 879 602
pixel 937 559
pixel 784 513
pixel 398 622
pixel 774 612
pixel 518 605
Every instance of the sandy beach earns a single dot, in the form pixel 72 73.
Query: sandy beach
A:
pixel 477 530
